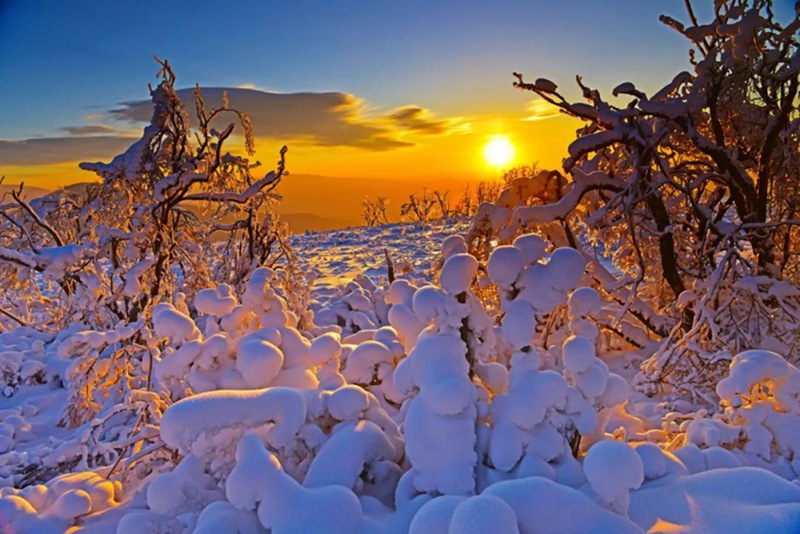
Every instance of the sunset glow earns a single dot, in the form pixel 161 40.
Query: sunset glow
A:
pixel 421 106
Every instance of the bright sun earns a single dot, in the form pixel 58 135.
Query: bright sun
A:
pixel 498 152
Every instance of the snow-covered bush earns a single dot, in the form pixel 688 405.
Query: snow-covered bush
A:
pixel 360 305
pixel 760 412
pixel 57 506
pixel 731 313
pixel 441 415
pixel 108 269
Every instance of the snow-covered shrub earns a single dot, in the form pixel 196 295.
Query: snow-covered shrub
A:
pixel 360 305
pixel 498 222
pixel 441 415
pixel 534 420
pixel 20 368
pixel 57 506
pixel 613 469
pixel 657 186
pixel 759 412
pixel 536 505
pixel 584 369
pixel 110 252
pixel 732 312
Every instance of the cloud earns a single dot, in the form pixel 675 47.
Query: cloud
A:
pixel 326 119
pixel 419 120
pixel 540 110
pixel 89 129
pixel 255 87
pixel 93 117
pixel 51 150
pixel 322 119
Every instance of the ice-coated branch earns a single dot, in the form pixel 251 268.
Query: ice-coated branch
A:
pixel 268 183
pixel 35 216
pixel 559 210
pixel 17 258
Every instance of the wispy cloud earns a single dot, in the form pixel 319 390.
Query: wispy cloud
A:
pixel 540 110
pixel 421 120
pixel 254 87
pixel 89 129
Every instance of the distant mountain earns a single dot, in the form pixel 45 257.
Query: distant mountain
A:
pixel 28 192
pixel 76 188
pixel 312 202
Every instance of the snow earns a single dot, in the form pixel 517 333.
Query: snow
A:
pixel 258 361
pixel 348 402
pixel 458 273
pixel 505 264
pixel 355 449
pixel 613 469
pixel 719 501
pixel 169 322
pixel 578 353
pixel 204 414
pixel 519 322
pixel 432 416
pixel 56 260
pixel 283 505
pixel 484 514
pixel 542 505
pixel 365 362
pixel 217 302
pixel 57 505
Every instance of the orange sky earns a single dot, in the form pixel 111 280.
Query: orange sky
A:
pixel 327 184
pixel 379 91
pixel 453 156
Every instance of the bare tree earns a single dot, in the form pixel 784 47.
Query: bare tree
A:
pixel 373 213
pixel 705 158
pixel 418 207
pixel 443 203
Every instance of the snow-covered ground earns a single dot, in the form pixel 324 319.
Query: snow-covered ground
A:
pixel 401 408
pixel 341 255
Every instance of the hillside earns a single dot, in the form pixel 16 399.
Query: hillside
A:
pixel 30 192
pixel 311 202
pixel 613 488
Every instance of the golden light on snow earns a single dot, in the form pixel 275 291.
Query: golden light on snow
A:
pixel 498 152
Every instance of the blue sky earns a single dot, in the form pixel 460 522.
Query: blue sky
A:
pixel 61 60
pixel 64 65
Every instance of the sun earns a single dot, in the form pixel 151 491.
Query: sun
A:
pixel 498 152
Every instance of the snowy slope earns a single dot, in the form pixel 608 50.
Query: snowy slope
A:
pixel 339 255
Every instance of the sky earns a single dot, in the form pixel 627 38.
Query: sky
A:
pixel 375 89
